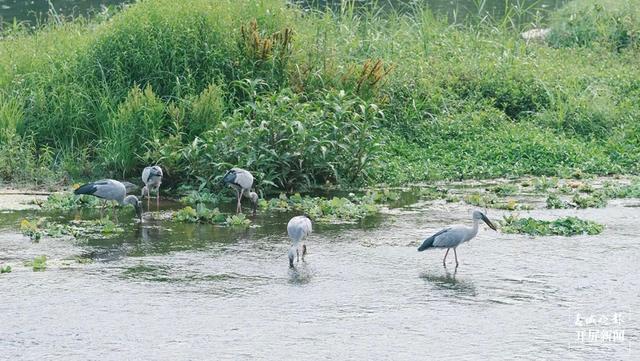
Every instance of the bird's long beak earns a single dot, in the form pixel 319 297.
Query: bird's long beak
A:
pixel 488 222
pixel 254 207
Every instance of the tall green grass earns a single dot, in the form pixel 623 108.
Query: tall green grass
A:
pixel 353 96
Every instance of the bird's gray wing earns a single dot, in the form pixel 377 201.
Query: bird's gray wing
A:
pixel 308 225
pixel 244 179
pixel 451 238
pixel 110 189
pixel 429 241
pixel 145 175
pixel 148 173
pixel 230 177
pixel 89 188
pixel 298 228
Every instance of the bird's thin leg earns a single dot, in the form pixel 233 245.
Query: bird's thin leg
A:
pixel 237 200
pixel 456 254
pixel 238 207
pixel 444 260
pixel 297 254
pixel 158 198
pixel 102 210
pixel 304 251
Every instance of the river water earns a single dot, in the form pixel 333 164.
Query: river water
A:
pixel 166 291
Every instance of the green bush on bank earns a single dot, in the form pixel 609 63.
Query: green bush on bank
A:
pixel 304 98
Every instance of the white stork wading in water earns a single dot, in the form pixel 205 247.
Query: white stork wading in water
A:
pixel 152 179
pixel 241 181
pixel 109 189
pixel 453 236
pixel 298 228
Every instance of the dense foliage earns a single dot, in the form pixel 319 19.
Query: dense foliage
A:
pixel 350 97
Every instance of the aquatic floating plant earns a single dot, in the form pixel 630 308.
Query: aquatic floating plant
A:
pixel 238 220
pixel 555 202
pixel 326 210
pixel 200 214
pixel 67 201
pixel 568 226
pixel 99 228
pixel 31 229
pixel 593 200
pixel 490 200
pixel 39 263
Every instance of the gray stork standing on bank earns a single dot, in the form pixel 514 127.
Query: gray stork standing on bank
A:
pixel 453 236
pixel 241 181
pixel 109 189
pixel 298 228
pixel 152 178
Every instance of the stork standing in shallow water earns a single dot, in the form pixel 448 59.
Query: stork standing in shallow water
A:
pixel 152 178
pixel 453 236
pixel 241 181
pixel 298 228
pixel 109 189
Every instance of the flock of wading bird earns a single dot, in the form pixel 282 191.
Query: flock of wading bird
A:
pixel 298 228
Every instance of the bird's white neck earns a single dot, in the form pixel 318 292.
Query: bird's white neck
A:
pixel 474 229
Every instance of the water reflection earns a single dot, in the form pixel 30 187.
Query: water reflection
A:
pixel 300 275
pixel 447 280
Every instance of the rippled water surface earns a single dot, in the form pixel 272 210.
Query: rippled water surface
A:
pixel 167 291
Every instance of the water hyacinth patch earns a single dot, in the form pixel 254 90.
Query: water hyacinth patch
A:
pixel 593 200
pixel 490 200
pixel 31 229
pixel 39 263
pixel 322 209
pixel 193 198
pixel 555 202
pixel 5 269
pixel 79 229
pixel 68 201
pixel 430 193
pixel 200 214
pixel 612 190
pixel 238 220
pixel 505 189
pixel 568 226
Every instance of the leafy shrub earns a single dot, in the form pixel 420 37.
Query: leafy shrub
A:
pixel 293 141
pixel 22 161
pixel 140 118
pixel 207 111
pixel 614 24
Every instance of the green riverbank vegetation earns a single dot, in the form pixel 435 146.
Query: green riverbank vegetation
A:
pixel 306 98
